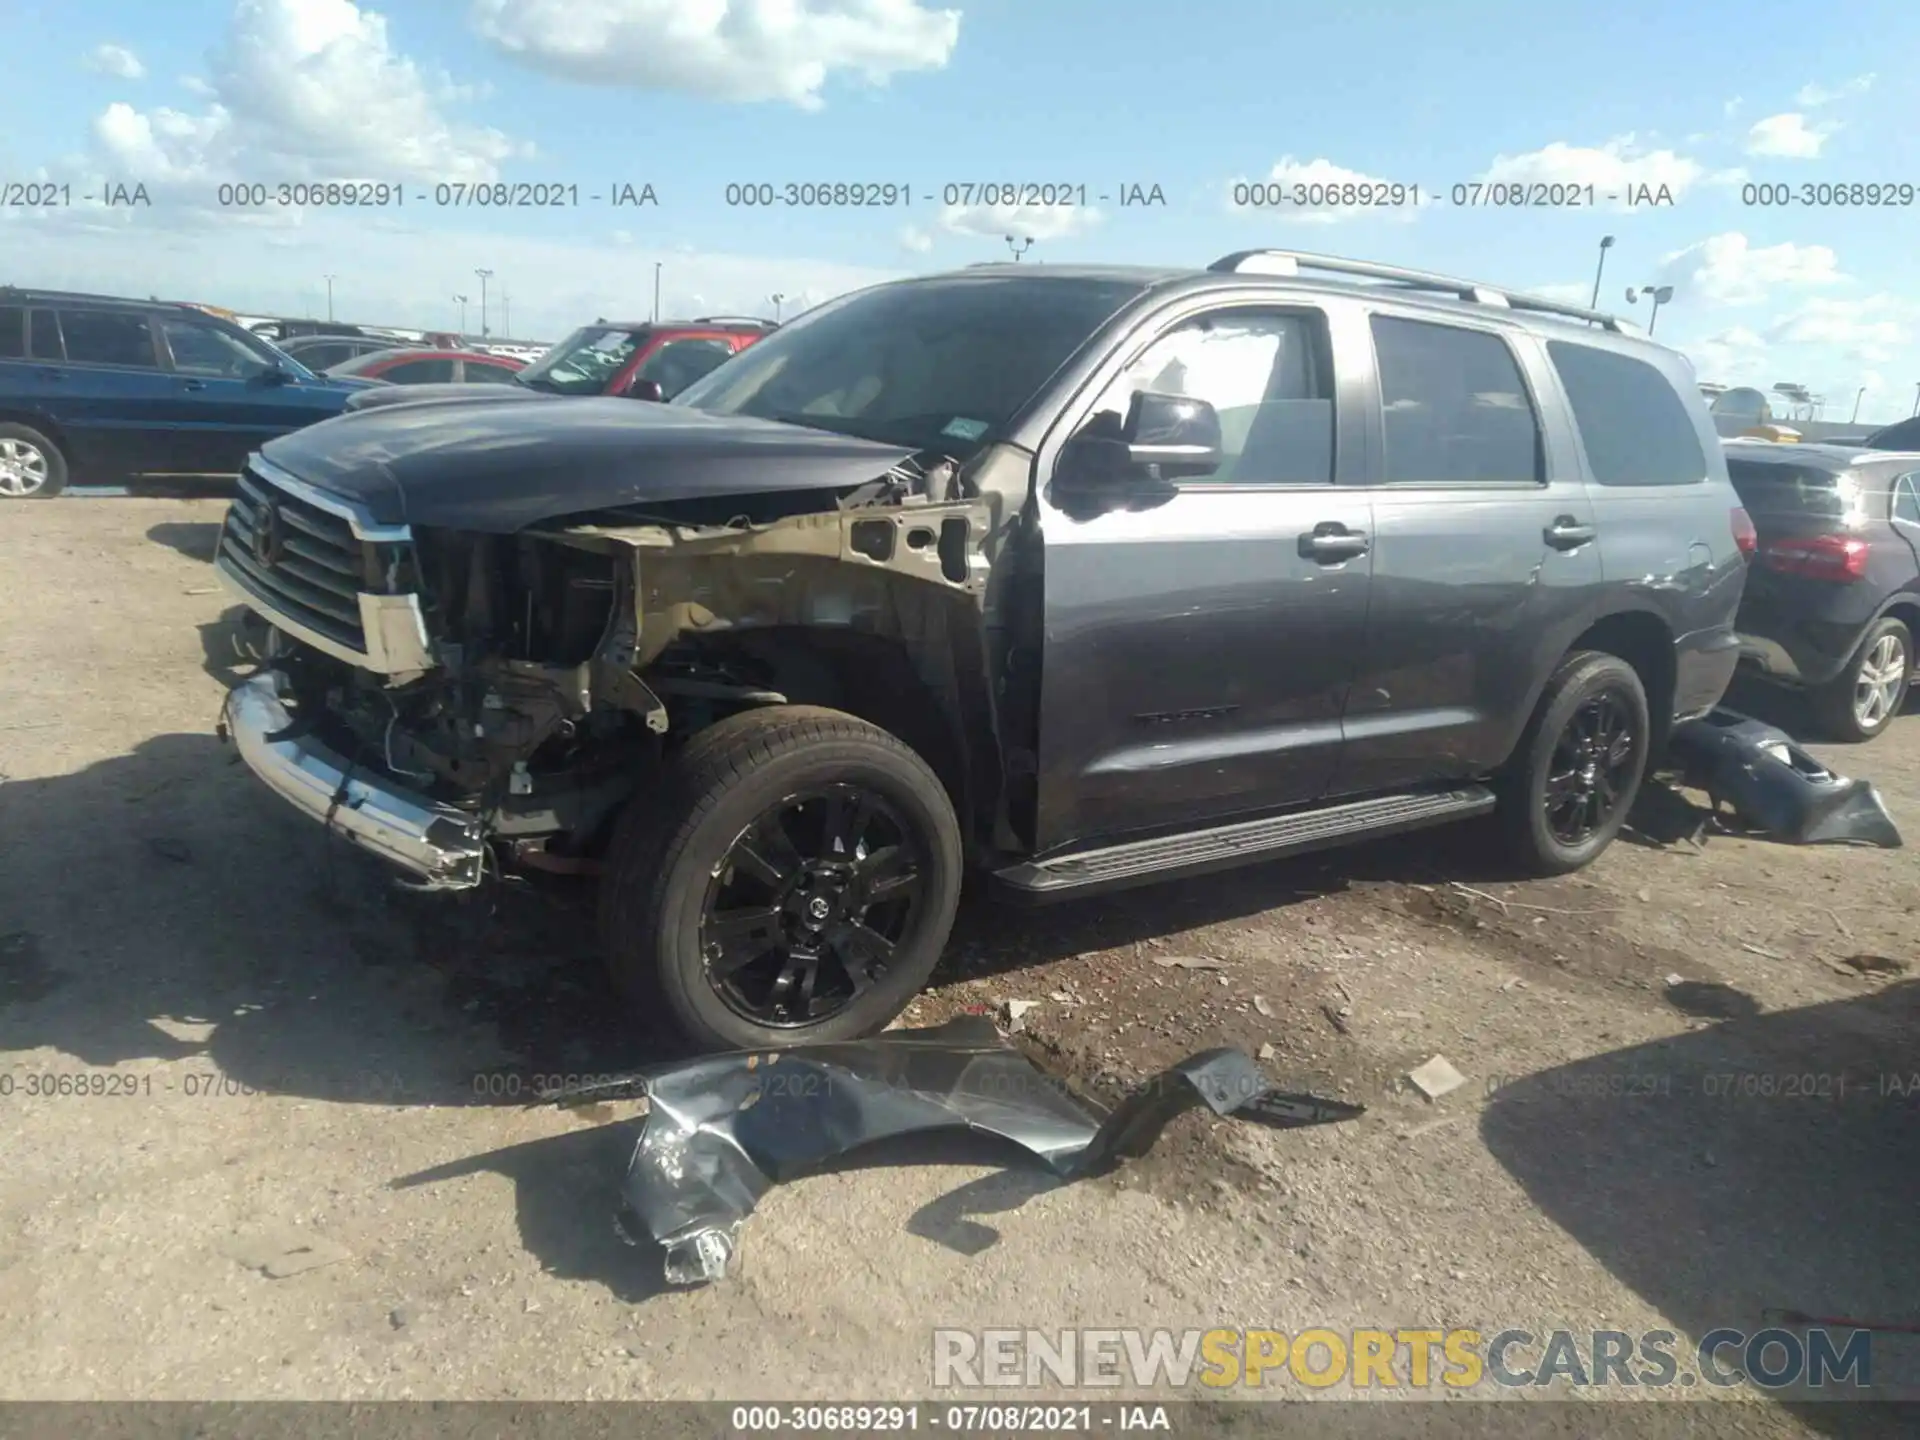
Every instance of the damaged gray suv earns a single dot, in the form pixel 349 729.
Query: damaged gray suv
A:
pixel 1077 577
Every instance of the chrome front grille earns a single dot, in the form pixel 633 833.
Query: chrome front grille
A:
pixel 313 564
pixel 298 559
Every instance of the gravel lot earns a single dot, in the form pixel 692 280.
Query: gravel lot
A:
pixel 301 1043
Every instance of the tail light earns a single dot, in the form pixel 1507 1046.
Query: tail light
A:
pixel 1821 557
pixel 1744 535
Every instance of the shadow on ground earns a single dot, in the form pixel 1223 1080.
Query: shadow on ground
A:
pixel 195 539
pixel 1761 1165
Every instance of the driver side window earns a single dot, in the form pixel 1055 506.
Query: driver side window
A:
pixel 203 350
pixel 1264 373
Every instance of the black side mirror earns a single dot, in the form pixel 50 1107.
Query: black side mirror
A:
pixel 645 390
pixel 1177 435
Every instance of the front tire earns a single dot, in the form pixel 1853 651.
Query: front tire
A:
pixel 1863 699
pixel 792 881
pixel 31 465
pixel 1578 769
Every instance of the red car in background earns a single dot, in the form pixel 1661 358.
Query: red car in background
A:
pixel 431 367
pixel 643 360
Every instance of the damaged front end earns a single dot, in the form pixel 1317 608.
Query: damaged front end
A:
pixel 722 1130
pixel 446 698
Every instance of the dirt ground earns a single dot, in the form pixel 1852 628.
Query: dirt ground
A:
pixel 1677 1112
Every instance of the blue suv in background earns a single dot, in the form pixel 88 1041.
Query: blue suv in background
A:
pixel 100 390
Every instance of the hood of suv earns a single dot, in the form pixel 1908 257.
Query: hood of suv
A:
pixel 495 469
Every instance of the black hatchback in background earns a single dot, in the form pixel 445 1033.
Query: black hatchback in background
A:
pixel 1832 603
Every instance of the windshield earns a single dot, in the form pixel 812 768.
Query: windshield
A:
pixel 939 364
pixel 584 362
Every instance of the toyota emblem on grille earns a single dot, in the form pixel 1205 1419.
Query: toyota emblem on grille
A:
pixel 267 540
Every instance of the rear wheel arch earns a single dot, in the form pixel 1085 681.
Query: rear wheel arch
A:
pixel 1643 639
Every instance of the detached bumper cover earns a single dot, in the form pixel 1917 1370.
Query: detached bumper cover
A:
pixel 443 848
pixel 724 1129
pixel 1774 786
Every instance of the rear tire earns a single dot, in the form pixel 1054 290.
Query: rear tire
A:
pixel 1862 700
pixel 792 857
pixel 31 465
pixel 1578 768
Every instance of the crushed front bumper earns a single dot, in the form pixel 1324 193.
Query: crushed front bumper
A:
pixel 440 846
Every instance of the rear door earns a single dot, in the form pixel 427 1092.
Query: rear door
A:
pixel 1201 634
pixel 1484 551
pixel 104 386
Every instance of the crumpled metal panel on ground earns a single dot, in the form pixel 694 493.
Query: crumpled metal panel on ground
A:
pixel 724 1129
pixel 1775 786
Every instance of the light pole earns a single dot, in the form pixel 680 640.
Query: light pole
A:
pixel 656 291
pixel 506 322
pixel 1659 294
pixel 1856 405
pixel 1606 244
pixel 1916 401
pixel 1019 248
pixel 330 279
pixel 778 301
pixel 485 275
pixel 461 301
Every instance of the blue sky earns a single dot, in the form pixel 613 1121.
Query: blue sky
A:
pixel 691 95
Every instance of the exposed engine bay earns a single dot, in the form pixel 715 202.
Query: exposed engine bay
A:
pixel 568 657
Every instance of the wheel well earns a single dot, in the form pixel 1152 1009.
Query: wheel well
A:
pixel 35 422
pixel 1906 610
pixel 873 677
pixel 1645 643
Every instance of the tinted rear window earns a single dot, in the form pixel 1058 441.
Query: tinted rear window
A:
pixel 1766 489
pixel 1636 429
pixel 13 332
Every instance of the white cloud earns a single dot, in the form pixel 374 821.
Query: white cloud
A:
pixel 913 238
pixel 1813 95
pixel 1734 356
pixel 1788 136
pixel 1320 186
pixel 1873 330
pixel 780 50
pixel 117 61
pixel 1023 222
pixel 302 90
pixel 1732 107
pixel 1728 269
pixel 1614 169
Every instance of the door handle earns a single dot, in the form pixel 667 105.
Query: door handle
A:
pixel 47 372
pixel 193 385
pixel 1331 542
pixel 1567 533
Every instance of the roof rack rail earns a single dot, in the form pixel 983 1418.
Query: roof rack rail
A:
pixel 732 320
pixel 1292 262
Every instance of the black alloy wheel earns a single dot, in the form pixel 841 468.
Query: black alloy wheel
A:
pixel 1593 773
pixel 1570 784
pixel 807 909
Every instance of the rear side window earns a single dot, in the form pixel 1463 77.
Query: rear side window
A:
pixel 1636 429
pixel 108 337
pixel 1767 489
pixel 1456 410
pixel 13 332
pixel 420 372
pixel 1906 499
